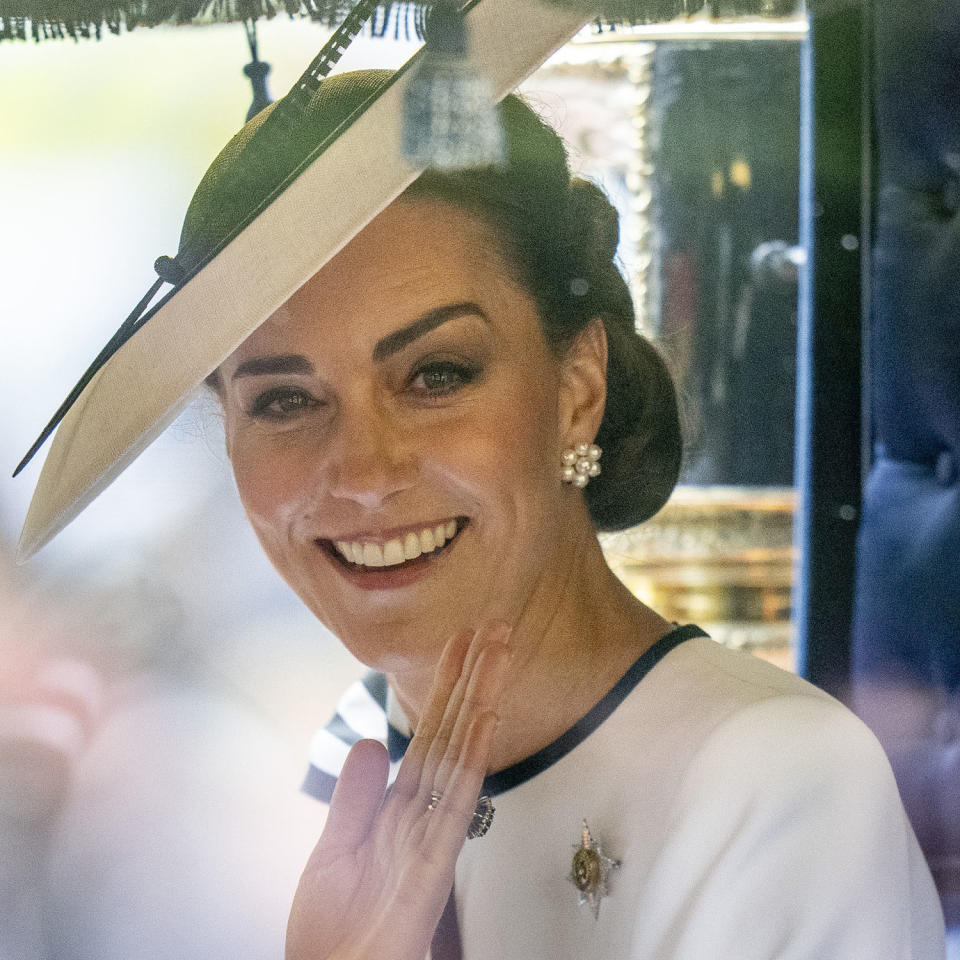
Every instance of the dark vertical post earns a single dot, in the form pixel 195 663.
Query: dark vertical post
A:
pixel 830 335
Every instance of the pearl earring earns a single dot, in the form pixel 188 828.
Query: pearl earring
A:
pixel 580 463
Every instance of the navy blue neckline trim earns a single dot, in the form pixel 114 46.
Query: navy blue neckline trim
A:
pixel 525 769
pixel 320 784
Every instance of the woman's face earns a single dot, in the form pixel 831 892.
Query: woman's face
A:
pixel 395 431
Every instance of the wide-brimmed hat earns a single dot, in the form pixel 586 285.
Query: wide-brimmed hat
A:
pixel 305 194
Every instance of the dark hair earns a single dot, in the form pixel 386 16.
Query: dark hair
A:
pixel 561 236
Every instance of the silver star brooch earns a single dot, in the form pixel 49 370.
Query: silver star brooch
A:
pixel 590 870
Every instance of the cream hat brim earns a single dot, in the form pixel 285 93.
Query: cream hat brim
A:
pixel 145 385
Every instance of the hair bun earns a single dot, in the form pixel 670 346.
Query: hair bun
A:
pixel 593 223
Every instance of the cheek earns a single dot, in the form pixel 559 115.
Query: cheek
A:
pixel 508 457
pixel 272 482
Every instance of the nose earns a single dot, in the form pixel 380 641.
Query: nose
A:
pixel 368 458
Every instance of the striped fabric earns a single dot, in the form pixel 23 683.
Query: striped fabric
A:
pixel 361 714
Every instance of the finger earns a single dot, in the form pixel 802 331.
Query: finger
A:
pixel 447 824
pixel 456 658
pixel 451 664
pixel 484 693
pixel 424 883
pixel 356 798
pixel 476 690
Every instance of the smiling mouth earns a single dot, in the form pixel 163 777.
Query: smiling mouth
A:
pixel 412 549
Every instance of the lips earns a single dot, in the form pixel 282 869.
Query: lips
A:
pixel 415 543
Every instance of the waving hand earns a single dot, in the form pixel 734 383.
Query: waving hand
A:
pixel 378 879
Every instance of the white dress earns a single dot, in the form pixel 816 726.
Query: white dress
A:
pixel 754 817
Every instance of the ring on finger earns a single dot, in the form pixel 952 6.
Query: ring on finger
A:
pixel 435 797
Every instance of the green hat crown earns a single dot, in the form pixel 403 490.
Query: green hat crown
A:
pixel 268 152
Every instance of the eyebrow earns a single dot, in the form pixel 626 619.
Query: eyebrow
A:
pixel 399 339
pixel 297 363
pixel 285 363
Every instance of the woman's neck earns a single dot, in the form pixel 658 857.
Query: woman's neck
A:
pixel 578 634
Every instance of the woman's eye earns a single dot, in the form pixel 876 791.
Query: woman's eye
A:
pixel 437 379
pixel 281 403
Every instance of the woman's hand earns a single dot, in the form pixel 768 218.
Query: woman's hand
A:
pixel 380 875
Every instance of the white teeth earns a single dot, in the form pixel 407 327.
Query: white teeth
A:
pixel 372 555
pixel 398 550
pixel 411 547
pixel 392 553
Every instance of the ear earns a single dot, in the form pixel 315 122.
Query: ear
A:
pixel 583 386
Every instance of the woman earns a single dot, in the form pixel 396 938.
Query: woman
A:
pixel 415 436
